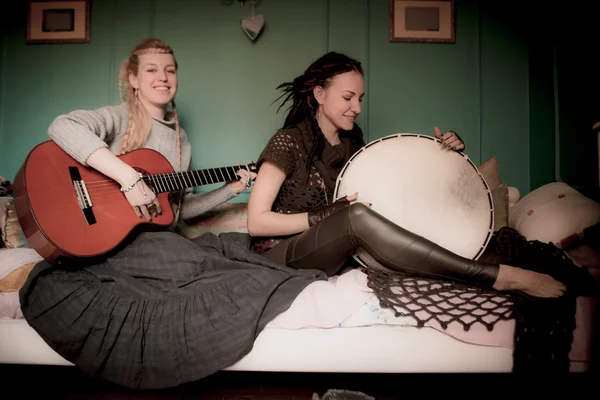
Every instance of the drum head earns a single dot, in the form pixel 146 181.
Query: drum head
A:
pixel 436 193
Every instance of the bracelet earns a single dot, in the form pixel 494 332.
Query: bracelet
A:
pixel 127 189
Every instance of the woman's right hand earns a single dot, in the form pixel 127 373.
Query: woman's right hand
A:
pixel 352 199
pixel 144 201
pixel 110 165
pixel 316 216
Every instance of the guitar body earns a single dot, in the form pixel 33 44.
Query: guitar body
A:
pixel 54 221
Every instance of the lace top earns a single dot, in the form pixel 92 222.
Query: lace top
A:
pixel 304 188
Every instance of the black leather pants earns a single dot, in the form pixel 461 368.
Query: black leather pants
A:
pixel 328 244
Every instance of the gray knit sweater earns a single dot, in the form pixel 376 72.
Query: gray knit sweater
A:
pixel 81 132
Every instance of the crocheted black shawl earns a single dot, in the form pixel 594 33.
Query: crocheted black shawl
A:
pixel 543 327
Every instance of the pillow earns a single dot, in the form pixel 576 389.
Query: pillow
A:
pixel 513 196
pixel 12 259
pixel 4 201
pixel 227 217
pixel 552 213
pixel 15 266
pixel 14 281
pixel 12 234
pixel 500 201
pixel 490 172
pixel 500 192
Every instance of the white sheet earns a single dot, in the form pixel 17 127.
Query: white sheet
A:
pixel 374 349
pixel 365 349
pixel 339 321
pixel 346 301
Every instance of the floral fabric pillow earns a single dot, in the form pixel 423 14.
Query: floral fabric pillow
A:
pixel 228 217
pixel 12 234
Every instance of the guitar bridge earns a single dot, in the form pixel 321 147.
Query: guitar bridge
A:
pixel 82 195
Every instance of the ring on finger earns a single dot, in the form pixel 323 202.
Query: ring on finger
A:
pixel 153 209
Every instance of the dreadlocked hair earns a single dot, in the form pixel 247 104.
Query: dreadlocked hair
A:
pixel 300 91
pixel 139 119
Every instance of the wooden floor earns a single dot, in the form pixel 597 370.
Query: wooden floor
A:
pixel 20 382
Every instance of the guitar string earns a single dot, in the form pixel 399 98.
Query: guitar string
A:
pixel 104 190
pixel 174 176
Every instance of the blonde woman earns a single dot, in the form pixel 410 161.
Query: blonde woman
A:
pixel 95 138
pixel 163 310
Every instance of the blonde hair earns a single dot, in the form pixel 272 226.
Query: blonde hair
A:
pixel 139 120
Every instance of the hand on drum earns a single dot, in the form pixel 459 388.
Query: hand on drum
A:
pixel 450 140
pixel 318 215
pixel 352 199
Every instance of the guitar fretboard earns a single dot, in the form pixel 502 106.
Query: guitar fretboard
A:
pixel 171 182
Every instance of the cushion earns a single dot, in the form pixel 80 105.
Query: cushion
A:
pixel 490 172
pixel 500 193
pixel 14 281
pixel 553 212
pixel 12 234
pixel 513 196
pixel 227 217
pixel 4 201
pixel 15 266
pixel 500 201
pixel 5 187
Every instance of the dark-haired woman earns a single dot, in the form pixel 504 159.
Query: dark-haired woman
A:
pixel 291 213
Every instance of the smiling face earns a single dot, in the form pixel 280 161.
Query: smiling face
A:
pixel 340 101
pixel 156 81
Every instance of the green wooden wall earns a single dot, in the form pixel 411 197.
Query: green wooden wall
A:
pixel 496 85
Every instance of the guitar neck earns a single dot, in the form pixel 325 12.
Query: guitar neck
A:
pixel 171 182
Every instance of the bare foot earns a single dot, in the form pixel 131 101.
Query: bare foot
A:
pixel 530 282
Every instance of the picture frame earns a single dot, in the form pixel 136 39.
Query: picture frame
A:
pixel 430 21
pixel 52 22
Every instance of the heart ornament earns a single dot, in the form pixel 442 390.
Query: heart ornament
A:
pixel 253 25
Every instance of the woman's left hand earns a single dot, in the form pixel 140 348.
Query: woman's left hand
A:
pixel 450 139
pixel 244 183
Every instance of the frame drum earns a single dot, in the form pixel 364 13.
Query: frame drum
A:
pixel 433 192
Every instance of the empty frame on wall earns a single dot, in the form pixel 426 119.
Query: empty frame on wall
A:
pixel 58 22
pixel 422 21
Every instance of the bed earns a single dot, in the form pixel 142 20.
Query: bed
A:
pixel 338 326
pixel 368 340
pixel 351 333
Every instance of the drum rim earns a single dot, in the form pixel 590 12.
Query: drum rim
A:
pixel 490 230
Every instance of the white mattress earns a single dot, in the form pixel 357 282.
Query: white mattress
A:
pixel 372 349
pixel 338 326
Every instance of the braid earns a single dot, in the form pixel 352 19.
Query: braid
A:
pixel 180 197
pixel 177 133
pixel 300 91
pixel 153 50
pixel 139 121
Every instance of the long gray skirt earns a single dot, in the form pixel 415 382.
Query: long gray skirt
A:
pixel 164 310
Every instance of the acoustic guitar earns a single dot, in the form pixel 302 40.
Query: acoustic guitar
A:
pixel 70 210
